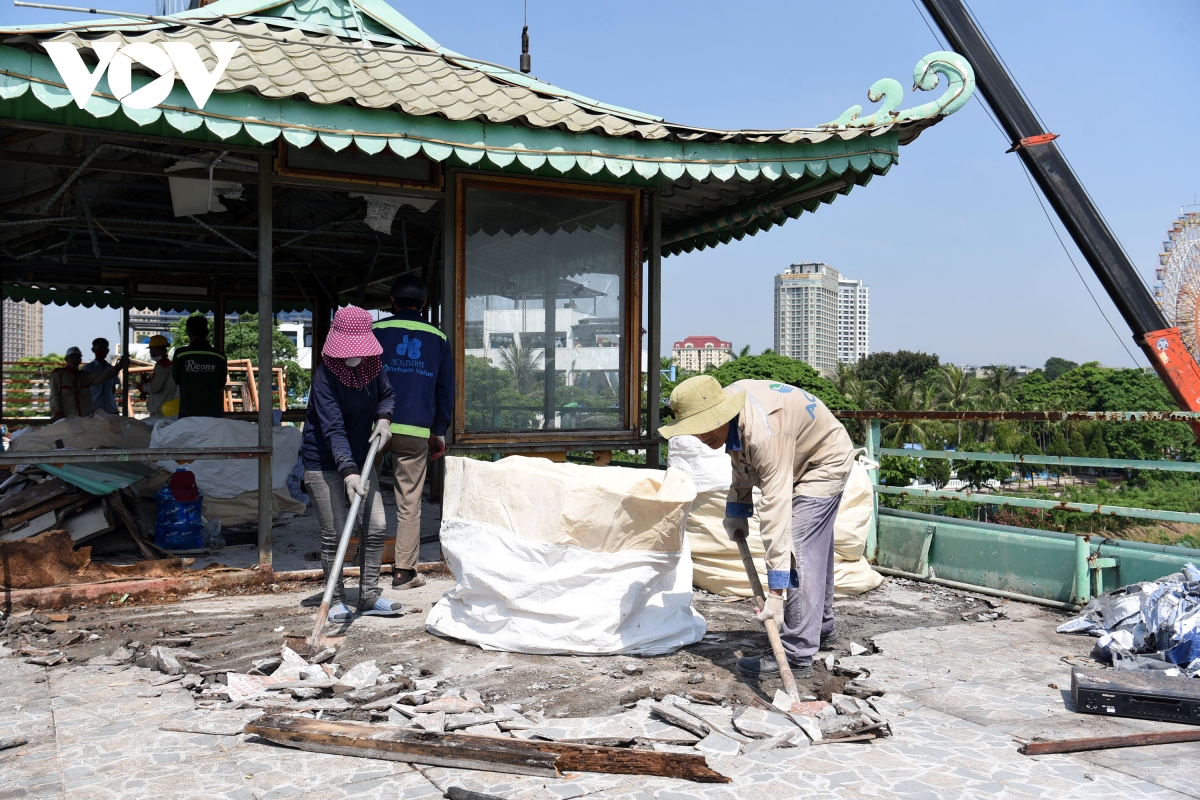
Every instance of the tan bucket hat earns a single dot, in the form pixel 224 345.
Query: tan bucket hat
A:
pixel 700 406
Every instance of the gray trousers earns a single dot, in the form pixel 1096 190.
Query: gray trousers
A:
pixel 328 493
pixel 808 611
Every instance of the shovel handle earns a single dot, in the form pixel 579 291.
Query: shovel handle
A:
pixel 785 671
pixel 335 573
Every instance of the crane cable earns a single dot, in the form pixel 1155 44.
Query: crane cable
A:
pixel 1029 177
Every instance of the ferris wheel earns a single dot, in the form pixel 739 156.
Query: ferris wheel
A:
pixel 1177 279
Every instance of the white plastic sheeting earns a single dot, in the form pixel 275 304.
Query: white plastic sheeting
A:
pixel 564 558
pixel 227 477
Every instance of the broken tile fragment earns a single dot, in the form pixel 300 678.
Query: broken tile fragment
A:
pixel 857 649
pixel 718 745
pixel 762 724
pixel 809 725
pixel 447 703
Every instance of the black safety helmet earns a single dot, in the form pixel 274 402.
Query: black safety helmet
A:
pixel 409 290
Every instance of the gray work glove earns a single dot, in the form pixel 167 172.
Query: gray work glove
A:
pixel 737 527
pixel 382 432
pixel 774 610
pixel 354 487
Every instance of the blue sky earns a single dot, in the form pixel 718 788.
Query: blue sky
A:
pixel 956 250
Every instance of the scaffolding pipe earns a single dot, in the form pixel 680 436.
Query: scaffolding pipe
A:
pixel 266 307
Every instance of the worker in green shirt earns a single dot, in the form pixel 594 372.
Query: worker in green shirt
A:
pixel 200 372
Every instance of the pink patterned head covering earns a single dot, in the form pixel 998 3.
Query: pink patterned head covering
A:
pixel 350 335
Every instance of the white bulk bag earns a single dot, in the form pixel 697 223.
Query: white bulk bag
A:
pixel 227 477
pixel 566 558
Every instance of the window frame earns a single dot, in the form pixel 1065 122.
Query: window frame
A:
pixel 632 307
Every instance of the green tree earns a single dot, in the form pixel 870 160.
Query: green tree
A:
pixel 898 470
pixel 521 362
pixel 957 392
pixel 910 365
pixel 1056 367
pixel 1026 446
pixel 745 351
pixel 241 341
pixel 976 474
pixel 774 367
pixel 492 401
pixel 1059 447
pixel 1078 445
pixel 936 471
pixel 1096 447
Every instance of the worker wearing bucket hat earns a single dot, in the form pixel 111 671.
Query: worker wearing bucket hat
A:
pixel 158 386
pixel 350 405
pixel 784 441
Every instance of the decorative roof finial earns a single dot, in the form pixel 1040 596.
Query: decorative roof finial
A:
pixel 525 63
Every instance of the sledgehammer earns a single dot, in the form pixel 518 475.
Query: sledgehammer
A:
pixel 785 672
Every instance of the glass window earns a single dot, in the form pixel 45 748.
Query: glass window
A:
pixel 538 263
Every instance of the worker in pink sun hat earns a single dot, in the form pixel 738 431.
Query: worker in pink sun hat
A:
pixel 350 405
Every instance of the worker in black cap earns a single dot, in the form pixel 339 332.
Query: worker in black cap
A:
pixel 418 361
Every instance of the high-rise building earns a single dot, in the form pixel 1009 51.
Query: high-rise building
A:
pixel 821 318
pixel 22 330
pixel 698 353
pixel 806 314
pixel 854 320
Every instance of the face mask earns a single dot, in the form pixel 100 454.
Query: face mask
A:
pixel 353 362
pixel 156 359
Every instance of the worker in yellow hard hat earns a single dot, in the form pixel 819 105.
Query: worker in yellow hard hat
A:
pixel 157 386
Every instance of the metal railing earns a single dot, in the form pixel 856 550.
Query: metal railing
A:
pixel 1089 564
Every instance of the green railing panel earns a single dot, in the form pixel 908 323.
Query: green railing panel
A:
pixel 1024 560
pixel 1057 461
pixel 1034 502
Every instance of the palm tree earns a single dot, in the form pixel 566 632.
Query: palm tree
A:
pixel 745 351
pixel 958 392
pixel 522 363
pixel 843 378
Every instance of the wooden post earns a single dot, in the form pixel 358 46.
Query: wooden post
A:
pixel 654 329
pixel 266 308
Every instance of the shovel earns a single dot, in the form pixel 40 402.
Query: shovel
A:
pixel 785 672
pixel 317 642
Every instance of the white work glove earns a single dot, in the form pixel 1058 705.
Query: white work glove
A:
pixel 437 447
pixel 774 610
pixel 737 527
pixel 354 487
pixel 382 432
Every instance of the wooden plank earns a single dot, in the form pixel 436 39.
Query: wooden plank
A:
pixel 477 752
pixel 402 744
pixel 1037 748
pixel 53 504
pixel 34 495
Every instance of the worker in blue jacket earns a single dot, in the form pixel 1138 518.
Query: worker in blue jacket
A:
pixel 418 362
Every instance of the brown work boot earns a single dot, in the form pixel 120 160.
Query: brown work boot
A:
pixel 407 579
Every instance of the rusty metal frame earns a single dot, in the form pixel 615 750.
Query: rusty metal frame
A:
pixel 1024 416
pixel 11 457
